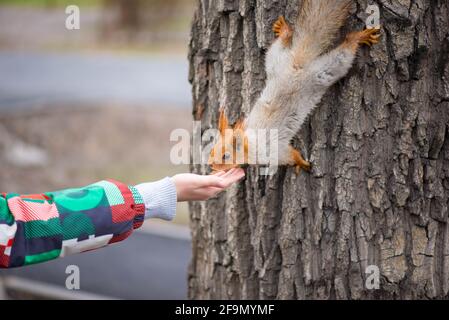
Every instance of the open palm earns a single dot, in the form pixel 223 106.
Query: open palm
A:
pixel 193 187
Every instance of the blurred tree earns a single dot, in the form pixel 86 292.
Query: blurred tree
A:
pixel 134 13
pixel 128 12
pixel 151 16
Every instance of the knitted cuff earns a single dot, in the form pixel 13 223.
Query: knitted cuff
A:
pixel 159 198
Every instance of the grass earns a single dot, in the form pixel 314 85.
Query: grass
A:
pixel 51 3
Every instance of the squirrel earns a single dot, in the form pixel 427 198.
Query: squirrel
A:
pixel 299 68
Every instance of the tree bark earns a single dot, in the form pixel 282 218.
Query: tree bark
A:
pixel 378 193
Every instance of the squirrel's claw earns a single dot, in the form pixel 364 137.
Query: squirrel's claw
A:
pixel 278 25
pixel 299 162
pixel 306 166
pixel 367 37
pixel 283 31
pixel 370 36
pixel 368 43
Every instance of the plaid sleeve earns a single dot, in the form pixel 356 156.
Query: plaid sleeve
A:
pixel 38 228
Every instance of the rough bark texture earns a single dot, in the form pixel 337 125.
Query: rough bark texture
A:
pixel 379 143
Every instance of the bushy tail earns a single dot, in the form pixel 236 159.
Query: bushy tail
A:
pixel 317 26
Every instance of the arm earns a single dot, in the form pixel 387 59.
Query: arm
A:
pixel 42 227
pixel 38 228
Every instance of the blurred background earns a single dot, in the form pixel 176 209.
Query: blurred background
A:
pixel 77 106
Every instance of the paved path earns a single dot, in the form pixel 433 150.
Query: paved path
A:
pixel 144 266
pixel 33 79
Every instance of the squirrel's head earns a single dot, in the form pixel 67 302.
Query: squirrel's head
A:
pixel 231 150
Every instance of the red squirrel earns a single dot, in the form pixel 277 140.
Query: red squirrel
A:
pixel 299 70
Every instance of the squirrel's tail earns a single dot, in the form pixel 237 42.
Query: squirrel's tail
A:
pixel 317 26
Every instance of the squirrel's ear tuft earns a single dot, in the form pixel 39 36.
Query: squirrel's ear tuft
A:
pixel 223 123
pixel 240 124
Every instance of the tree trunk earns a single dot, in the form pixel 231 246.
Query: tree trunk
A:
pixel 379 144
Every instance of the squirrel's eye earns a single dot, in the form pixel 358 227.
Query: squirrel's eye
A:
pixel 227 156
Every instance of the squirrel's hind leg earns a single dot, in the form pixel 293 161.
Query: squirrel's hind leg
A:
pixel 279 56
pixel 298 161
pixel 283 31
pixel 331 67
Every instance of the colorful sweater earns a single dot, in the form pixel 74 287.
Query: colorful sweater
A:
pixel 38 228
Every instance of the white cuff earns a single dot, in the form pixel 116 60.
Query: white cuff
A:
pixel 159 198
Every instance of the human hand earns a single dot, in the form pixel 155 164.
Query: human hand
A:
pixel 193 187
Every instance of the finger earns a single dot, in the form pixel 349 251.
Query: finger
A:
pixel 208 192
pixel 236 176
pixel 229 173
pixel 219 173
pixel 211 181
pixel 239 172
pixel 221 181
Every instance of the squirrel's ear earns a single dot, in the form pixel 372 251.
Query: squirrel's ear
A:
pixel 240 124
pixel 240 138
pixel 223 122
